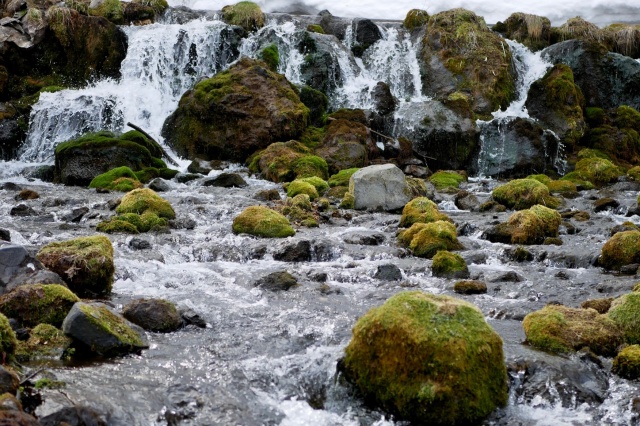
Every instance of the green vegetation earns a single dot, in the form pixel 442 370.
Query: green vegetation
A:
pixel 470 287
pixel 262 222
pixel 45 342
pixel 447 264
pixel 314 28
pixel 624 313
pixel 103 319
pixel 444 179
pixel 521 194
pixel 278 160
pixel 416 18
pixel 627 363
pixel 428 359
pixel 244 14
pixel 532 225
pixel 421 210
pixel 342 177
pixel 426 239
pixel 271 57
pixel 8 341
pixel 299 186
pixel 118 179
pixel 623 248
pixel 141 210
pixel 310 166
pixel 34 304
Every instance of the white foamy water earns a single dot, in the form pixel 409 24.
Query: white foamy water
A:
pixel 596 11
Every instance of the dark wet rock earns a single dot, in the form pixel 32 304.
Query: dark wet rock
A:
pixel 268 195
pixel 320 69
pixel 366 33
pixel 10 186
pixel 75 215
pixel 470 287
pixel 388 272
pixel 277 281
pixel 192 317
pixel 479 257
pixel 9 381
pixel 103 331
pixel 365 238
pixel 519 254
pixel 139 244
pixel 631 269
pixel 465 200
pixel 22 210
pixel 606 203
pixel 201 166
pixel 186 177
pixel 35 304
pixel 77 415
pixel 320 277
pixel 18 267
pixel 507 276
pixel 26 194
pixel 333 25
pixel 226 180
pixel 299 251
pixel 153 315
pixel 5 235
pixel 383 100
pixel 159 185
pixel 11 413
pixel 325 251
pixel 182 223
pixel 11 137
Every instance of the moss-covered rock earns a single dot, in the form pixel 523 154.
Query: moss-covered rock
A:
pixel 276 162
pixel 600 305
pixel 271 57
pixel 623 248
pixel 346 143
pixel 416 18
pixel 262 222
pixel 428 359
pixel 624 312
pixel 300 186
pixel 118 179
pixel 532 225
pixel 445 179
pixel 8 339
pixel 235 113
pixel 342 177
pixel 145 200
pixel 470 287
pixel 421 210
pixel 449 265
pixel 426 239
pixel 521 194
pixel 627 363
pixel 531 30
pixel 319 184
pixel 85 264
pixel 560 329
pixel 45 342
pixel 317 102
pixel 34 304
pixel 245 14
pixel 153 314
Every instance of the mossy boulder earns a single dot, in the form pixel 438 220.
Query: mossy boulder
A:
pixel 245 14
pixel 557 102
pixel 416 18
pixel 421 210
pixel 34 304
pixel 119 179
pixel 276 162
pixel 627 363
pixel 262 222
pixel 299 186
pixel 140 210
pixel 470 287
pixel 623 248
pixel 429 359
pixel 531 226
pixel 8 339
pixel 531 30
pixel 445 179
pixel 45 342
pixel 153 314
pixel 342 177
pixel 235 113
pixel 624 312
pixel 449 265
pixel 346 144
pixel 561 329
pixel 426 239
pixel 85 264
pixel 461 53
pixel 102 331
pixel 521 194
pixel 271 57
pixel 316 101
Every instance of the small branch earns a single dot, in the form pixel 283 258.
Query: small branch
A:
pixel 164 153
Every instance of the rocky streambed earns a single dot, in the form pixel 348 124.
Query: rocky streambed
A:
pixel 269 357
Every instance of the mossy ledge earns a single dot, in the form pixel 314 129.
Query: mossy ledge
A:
pixel 262 222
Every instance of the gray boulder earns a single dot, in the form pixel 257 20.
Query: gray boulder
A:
pixel 379 187
pixel 18 267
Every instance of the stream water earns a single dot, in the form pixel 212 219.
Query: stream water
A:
pixel 270 358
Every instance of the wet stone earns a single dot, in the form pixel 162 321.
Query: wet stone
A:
pixel 299 251
pixel 605 204
pixel 5 235
pixel 139 244
pixel 186 177
pixel 277 281
pixel 365 238
pixel 192 317
pixel 268 195
pixel 10 186
pixel 508 276
pixel 388 272
pixel 76 415
pixel 631 269
pixel 159 185
pixel 22 210
pixel 75 215
pixel 226 180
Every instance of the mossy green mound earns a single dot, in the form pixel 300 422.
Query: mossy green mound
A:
pixel 415 18
pixel 310 166
pixel 244 14
pixel 533 225
pixel 597 171
pixel 531 30
pixel 342 177
pixel 276 162
pixel 85 264
pixel 521 194
pixel 319 184
pixel 35 304
pixel 634 173
pixel 624 312
pixel 118 179
pixel 623 248
pixel 560 329
pixel 426 239
pixel 8 341
pixel 271 57
pixel 449 265
pixel 444 179
pixel 300 211
pixel 133 223
pixel 145 200
pixel 627 118
pixel 470 287
pixel 421 210
pixel 299 186
pixel 627 363
pixel 428 359
pixel 45 342
pixel 262 222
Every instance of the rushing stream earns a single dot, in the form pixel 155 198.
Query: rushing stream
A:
pixel 270 358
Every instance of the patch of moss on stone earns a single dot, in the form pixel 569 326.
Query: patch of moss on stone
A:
pixel 244 14
pixel 299 186
pixel 342 177
pixel 624 312
pixel 470 287
pixel 598 171
pixel 426 239
pixel 634 173
pixel 310 166
pixel 533 31
pixel 415 18
pixel 113 10
pixel 102 318
pixel 521 194
pixel 117 226
pixel 315 28
pixel 276 162
pixel 319 184
pixel 429 359
pixel 348 201
pixel 422 210
pixel 271 57
pixel 533 225
pixel 627 363
pixel 118 179
pixel 450 265
pixel 623 248
pixel 34 304
pixel 8 341
pixel 600 305
pixel 45 342
pixel 85 264
pixel 447 179
pixel 145 200
pixel 262 222
pixel 560 329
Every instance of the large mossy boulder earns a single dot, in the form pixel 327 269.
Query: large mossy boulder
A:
pixel 596 171
pixel 346 144
pixel 79 161
pixel 461 54
pixel 85 264
pixel 429 359
pixel 623 248
pixel 561 329
pixel 262 222
pixel 521 194
pixel 529 226
pixel 421 210
pixel 140 210
pixel 119 179
pixel 426 239
pixel 38 304
pixel 449 265
pixel 45 342
pixel 102 331
pixel 235 113
pixel 245 14
pixel 557 102
pixel 415 18
pixel 624 313
pixel 153 314
pixel 286 161
pixel 531 30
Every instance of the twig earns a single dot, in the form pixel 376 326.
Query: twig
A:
pixel 164 153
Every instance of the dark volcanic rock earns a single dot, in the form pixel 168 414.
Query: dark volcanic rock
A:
pixel 294 252
pixel 153 315
pixel 388 272
pixel 277 281
pixel 226 180
pixel 22 210
pixel 77 415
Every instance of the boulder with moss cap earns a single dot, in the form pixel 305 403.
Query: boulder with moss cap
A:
pixel 102 331
pixel 429 359
pixel 449 265
pixel 45 342
pixel 140 210
pixel 35 304
pixel 245 14
pixel 627 363
pixel 426 239
pixel 521 194
pixel 421 210
pixel 623 248
pixel 624 312
pixel 85 264
pixel 262 221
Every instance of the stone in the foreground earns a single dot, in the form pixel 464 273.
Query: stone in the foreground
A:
pixel 153 315
pixel 103 331
pixel 620 250
pixel 379 187
pixel 34 304
pixel 627 363
pixel 429 359
pixel 262 222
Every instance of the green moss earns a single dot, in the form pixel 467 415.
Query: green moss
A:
pixel 314 28
pixel 598 171
pixel 299 186
pixel 446 178
pixel 245 14
pixel 541 178
pixel 624 312
pixel 102 318
pixel 348 201
pixel 627 117
pixel 118 179
pixel 110 9
pixel 8 339
pixel 312 136
pixel 447 264
pixel 342 177
pixel 595 116
pixel 47 383
pixel 533 225
pixel 319 184
pixel 523 193
pixel 158 6
pixel 85 264
pixel 560 329
pixel 634 173
pixel 117 226
pixel 262 222
pixel 416 18
pixel 310 165
pixel 35 304
pixel 428 359
pixel 417 187
pixel 145 200
pixel 470 287
pixel 623 248
pixel 276 162
pixel 627 363
pixel 337 192
pixel 421 209
pixel 425 240
pixel 45 342
pixel 271 57
pixel 142 140
pixel 562 187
